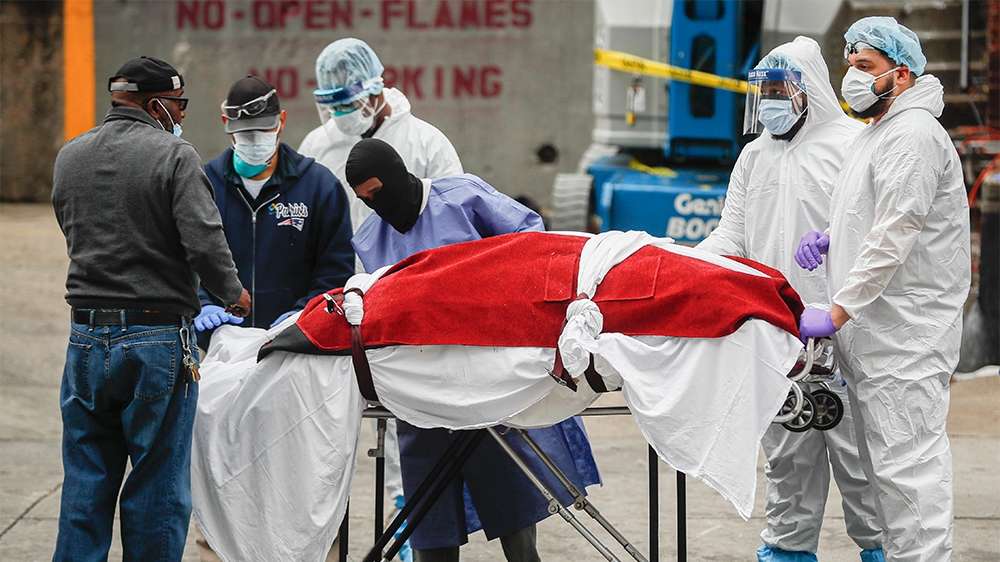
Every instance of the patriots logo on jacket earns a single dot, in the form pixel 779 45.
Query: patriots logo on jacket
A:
pixel 297 223
pixel 294 214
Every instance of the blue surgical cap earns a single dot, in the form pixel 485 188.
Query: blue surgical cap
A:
pixel 896 41
pixel 780 61
pixel 346 62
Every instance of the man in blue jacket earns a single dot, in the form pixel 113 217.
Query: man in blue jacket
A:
pixel 286 217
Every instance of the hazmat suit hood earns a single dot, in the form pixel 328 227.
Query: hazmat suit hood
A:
pixel 806 54
pixel 927 93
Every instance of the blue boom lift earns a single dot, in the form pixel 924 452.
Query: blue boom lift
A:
pixel 678 188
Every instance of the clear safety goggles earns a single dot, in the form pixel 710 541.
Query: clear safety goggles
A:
pixel 251 108
pixel 771 84
pixel 329 111
pixel 857 47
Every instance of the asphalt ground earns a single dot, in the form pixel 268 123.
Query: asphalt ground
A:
pixel 34 327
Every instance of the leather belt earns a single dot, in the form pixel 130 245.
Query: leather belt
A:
pixel 132 317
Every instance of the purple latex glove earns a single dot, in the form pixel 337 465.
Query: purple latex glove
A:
pixel 815 323
pixel 811 249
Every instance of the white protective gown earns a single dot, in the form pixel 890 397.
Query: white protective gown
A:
pixel 899 265
pixel 779 190
pixel 424 149
pixel 427 153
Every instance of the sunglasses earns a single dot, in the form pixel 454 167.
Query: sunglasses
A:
pixel 182 103
pixel 250 108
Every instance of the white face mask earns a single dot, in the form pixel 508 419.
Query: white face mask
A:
pixel 858 88
pixel 256 147
pixel 356 122
pixel 777 116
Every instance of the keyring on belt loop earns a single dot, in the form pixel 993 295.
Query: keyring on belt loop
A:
pixel 185 335
pixel 124 324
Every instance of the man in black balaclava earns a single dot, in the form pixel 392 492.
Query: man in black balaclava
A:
pixel 412 215
pixel 381 181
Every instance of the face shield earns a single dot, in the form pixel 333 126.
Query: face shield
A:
pixel 347 109
pixel 775 101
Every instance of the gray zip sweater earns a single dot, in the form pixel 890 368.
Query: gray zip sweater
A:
pixel 139 218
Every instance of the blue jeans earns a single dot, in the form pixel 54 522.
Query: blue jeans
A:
pixel 125 396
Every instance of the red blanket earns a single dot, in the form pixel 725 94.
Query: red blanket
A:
pixel 513 290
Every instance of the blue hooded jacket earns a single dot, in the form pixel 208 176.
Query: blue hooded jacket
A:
pixel 295 241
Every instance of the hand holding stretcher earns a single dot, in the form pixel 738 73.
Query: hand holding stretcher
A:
pixel 522 329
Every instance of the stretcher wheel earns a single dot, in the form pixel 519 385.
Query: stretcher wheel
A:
pixel 806 418
pixel 829 409
pixel 792 405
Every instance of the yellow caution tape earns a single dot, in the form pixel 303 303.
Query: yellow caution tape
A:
pixel 625 62
pixel 847 110
pixel 657 171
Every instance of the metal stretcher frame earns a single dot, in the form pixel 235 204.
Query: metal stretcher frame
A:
pixel 451 462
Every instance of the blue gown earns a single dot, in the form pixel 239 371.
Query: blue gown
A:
pixel 461 209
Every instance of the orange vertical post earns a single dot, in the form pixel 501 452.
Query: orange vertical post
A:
pixel 79 82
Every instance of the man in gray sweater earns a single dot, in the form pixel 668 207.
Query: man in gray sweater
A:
pixel 141 231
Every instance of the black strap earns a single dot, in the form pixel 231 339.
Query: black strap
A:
pixel 594 378
pixel 562 374
pixel 362 369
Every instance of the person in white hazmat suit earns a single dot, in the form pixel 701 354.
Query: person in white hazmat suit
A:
pixel 898 270
pixel 354 104
pixel 780 188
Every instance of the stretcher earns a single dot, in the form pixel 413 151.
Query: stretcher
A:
pixel 523 330
pixel 383 550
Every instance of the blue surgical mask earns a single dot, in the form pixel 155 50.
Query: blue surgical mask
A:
pixel 176 130
pixel 777 116
pixel 247 170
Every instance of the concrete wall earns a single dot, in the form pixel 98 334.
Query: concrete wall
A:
pixel 501 78
pixel 31 109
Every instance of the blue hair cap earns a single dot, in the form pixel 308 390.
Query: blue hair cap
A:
pixel 348 61
pixel 887 35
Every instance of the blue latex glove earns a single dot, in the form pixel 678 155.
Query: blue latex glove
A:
pixel 811 249
pixel 875 555
pixel 815 323
pixel 282 317
pixel 213 316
